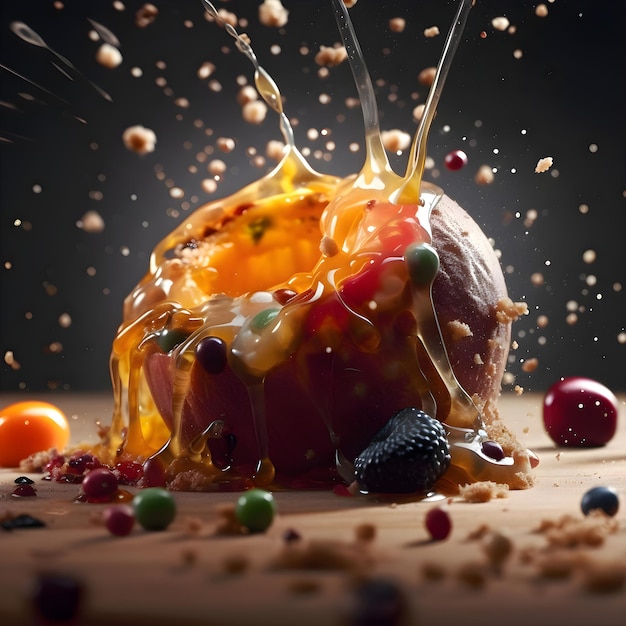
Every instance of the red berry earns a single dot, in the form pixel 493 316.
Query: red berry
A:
pixel 119 520
pixel 455 160
pixel 24 491
pixel 438 523
pixel 580 412
pixel 99 484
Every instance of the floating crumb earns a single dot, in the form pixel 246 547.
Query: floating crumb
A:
pixel 225 144
pixel 427 76
pixel 273 14
pixel 498 547
pixel 541 10
pixel 543 165
pixel 519 390
pixel 397 24
pixel 418 111
pixel 431 31
pixel 205 70
pixel 139 139
pixel 395 140
pixel 108 56
pixel 254 112
pixel 247 94
pixel 459 330
pixel 227 523
pixel 146 15
pixel 91 222
pixel 330 56
pixel 483 491
pixel 11 361
pixel 275 149
pixel 500 23
pixel 484 175
pixel 530 365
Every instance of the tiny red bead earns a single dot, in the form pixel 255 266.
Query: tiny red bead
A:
pixel 455 160
pixel 438 523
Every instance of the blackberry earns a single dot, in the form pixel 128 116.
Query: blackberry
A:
pixel 407 455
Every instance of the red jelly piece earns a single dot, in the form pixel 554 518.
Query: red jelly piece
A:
pixel 455 160
pixel 580 413
pixel 24 491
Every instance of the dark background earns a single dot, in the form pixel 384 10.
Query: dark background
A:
pixel 61 154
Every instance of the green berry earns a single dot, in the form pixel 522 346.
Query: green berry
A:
pixel 422 262
pixel 263 319
pixel 256 509
pixel 155 508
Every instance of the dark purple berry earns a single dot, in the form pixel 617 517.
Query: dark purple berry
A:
pixel 24 480
pixel 22 521
pixel 212 354
pixel 438 523
pixel 119 520
pixel 492 449
pixel 57 597
pixel 408 455
pixel 377 602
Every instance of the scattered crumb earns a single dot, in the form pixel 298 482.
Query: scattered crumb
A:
pixel 603 577
pixel 139 139
pixel 395 140
pixel 91 222
pixel 330 56
pixel 543 165
pixel 365 532
pixel 498 547
pixel 228 524
pixel 459 330
pixel 433 571
pixel 254 112
pixel 235 564
pixel 273 14
pixel 508 311
pixel 108 56
pixel 427 76
pixel 483 491
pixel 146 15
pixel 432 31
pixel 500 23
pixel 303 585
pixel 541 10
pixel 397 24
pixel 472 574
pixel 328 246
pixel 573 532
pixel 484 175
pixel 323 555
pixel 479 532
pixel 530 365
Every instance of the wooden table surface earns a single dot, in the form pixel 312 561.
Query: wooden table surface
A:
pixel 183 575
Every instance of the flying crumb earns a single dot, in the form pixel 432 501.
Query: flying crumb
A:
pixel 146 15
pixel 254 112
pixel 397 24
pixel 541 10
pixel 432 31
pixel 484 175
pixel 139 139
pixel 530 365
pixel 91 222
pixel 427 76
pixel 272 13
pixel 395 140
pixel 108 56
pixel 500 23
pixel 330 56
pixel 543 165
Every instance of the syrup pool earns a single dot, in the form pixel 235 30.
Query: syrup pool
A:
pixel 316 295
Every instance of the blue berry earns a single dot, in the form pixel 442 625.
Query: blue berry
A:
pixel 422 262
pixel 602 498
pixel 408 455
pixel 57 597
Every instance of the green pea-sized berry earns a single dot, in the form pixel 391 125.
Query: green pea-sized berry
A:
pixel 255 510
pixel 422 262
pixel 263 318
pixel 155 508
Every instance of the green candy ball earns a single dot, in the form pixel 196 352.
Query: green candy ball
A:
pixel 422 262
pixel 263 318
pixel 256 509
pixel 155 508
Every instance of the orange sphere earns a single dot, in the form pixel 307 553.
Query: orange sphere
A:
pixel 29 427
